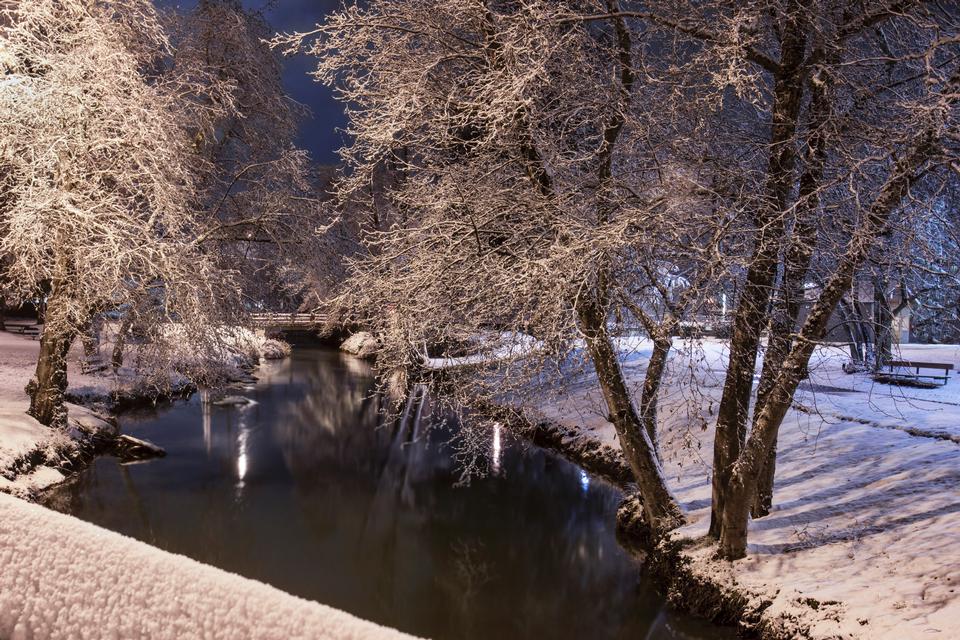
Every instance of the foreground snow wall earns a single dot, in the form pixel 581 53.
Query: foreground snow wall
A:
pixel 61 577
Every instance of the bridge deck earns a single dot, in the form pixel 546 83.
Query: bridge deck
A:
pixel 288 320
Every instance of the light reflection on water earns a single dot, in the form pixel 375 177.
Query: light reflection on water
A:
pixel 497 454
pixel 307 490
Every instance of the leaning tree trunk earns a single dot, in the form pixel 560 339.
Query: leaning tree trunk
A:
pixel 745 478
pixel 738 383
pixel 653 378
pixel 778 347
pixel 660 507
pixel 779 343
pixel 798 256
pixel 49 384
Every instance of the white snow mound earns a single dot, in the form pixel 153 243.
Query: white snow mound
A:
pixel 61 577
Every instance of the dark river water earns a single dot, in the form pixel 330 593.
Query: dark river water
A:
pixel 307 490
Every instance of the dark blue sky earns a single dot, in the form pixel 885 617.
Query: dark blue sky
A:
pixel 320 133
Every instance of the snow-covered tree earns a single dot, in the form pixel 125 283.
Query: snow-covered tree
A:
pixel 554 157
pixel 529 195
pixel 98 158
pixel 840 119
pixel 258 190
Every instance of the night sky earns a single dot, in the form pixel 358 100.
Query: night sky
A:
pixel 320 132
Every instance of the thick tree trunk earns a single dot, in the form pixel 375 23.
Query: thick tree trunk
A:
pixel 48 385
pixel 745 478
pixel 779 343
pixel 660 507
pixel 738 384
pixel 797 262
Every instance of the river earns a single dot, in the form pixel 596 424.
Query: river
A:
pixel 307 490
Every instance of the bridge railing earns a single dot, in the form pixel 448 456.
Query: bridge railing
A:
pixel 288 319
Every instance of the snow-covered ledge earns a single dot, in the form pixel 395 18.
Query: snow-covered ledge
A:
pixel 62 577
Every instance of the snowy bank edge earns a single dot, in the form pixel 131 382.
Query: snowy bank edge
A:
pixel 60 576
pixel 53 455
pixel 692 580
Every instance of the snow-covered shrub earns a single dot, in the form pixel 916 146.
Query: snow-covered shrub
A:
pixel 274 349
pixel 209 358
pixel 361 344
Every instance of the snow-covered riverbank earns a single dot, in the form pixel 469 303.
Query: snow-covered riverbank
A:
pixel 865 531
pixel 34 457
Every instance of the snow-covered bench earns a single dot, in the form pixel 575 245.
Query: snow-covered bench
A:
pixel 909 371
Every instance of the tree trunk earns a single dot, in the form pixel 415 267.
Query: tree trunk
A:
pixel 797 262
pixel 660 507
pixel 866 327
pixel 738 383
pixel 90 336
pixel 47 387
pixel 882 323
pixel 744 479
pixel 649 399
pixel 858 343
pixel 120 341
pixel 752 309
pixel 779 343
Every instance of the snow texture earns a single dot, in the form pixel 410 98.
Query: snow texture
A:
pixel 490 348
pixel 64 578
pixel 25 444
pixel 362 344
pixel 864 536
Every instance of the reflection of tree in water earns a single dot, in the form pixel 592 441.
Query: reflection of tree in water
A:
pixel 538 535
pixel 337 425
pixel 80 493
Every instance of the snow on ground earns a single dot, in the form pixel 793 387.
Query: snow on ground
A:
pixel 866 515
pixel 30 453
pixel 22 437
pixel 934 412
pixel 61 577
pixel 490 347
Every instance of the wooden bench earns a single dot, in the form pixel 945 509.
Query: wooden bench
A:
pixel 92 365
pixel 25 329
pixel 893 372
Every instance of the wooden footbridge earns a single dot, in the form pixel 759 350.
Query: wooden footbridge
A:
pixel 288 321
